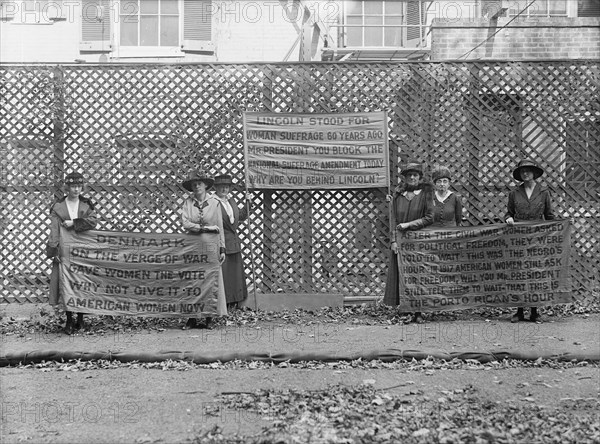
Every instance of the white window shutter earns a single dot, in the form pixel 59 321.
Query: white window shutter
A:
pixel 95 26
pixel 197 26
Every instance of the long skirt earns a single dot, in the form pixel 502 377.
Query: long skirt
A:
pixel 392 292
pixel 221 302
pixel 235 278
pixel 54 294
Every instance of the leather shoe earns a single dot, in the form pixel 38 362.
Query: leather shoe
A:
pixel 418 319
pixel 518 316
pixel 536 317
pixel 191 323
pixel 68 328
pixel 206 324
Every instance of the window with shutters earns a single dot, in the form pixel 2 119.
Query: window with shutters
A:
pixel 384 24
pixel 141 28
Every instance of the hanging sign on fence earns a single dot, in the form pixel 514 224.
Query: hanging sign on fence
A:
pixel 316 151
pixel 144 274
pixel 495 265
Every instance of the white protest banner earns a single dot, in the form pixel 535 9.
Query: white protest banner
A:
pixel 316 151
pixel 493 265
pixel 144 274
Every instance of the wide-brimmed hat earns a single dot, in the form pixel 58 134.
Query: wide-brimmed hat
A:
pixel 441 173
pixel 74 179
pixel 413 167
pixel 223 179
pixel 527 163
pixel 197 176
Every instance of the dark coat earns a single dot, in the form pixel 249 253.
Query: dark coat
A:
pixel 232 240
pixel 233 267
pixel 536 207
pixel 86 220
pixel 418 212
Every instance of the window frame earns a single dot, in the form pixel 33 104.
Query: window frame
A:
pixel 404 27
pixel 148 51
pixel 570 10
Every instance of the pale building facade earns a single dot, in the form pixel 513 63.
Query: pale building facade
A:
pixel 130 31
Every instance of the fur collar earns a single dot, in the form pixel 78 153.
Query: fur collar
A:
pixel 425 186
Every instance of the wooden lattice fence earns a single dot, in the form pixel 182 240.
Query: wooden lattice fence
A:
pixel 136 130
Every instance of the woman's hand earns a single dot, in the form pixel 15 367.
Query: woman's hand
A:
pixel 67 223
pixel 510 221
pixel 394 247
pixel 221 258
pixel 402 226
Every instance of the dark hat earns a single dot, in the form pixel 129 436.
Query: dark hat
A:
pixel 224 179
pixel 413 167
pixel 197 176
pixel 74 179
pixel 527 163
pixel 441 173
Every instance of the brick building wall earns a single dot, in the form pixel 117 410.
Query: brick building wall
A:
pixel 548 38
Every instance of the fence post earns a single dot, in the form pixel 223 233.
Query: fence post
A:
pixel 473 131
pixel 58 132
pixel 307 244
pixel 267 216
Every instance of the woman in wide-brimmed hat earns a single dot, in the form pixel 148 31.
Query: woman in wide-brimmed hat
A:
pixel 236 290
pixel 201 213
pixel 447 205
pixel 412 206
pixel 71 212
pixel 529 201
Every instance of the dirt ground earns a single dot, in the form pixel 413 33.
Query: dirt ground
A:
pixel 138 404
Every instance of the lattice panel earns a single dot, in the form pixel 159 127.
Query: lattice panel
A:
pixel 136 131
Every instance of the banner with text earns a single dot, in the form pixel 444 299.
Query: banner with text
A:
pixel 144 274
pixel 526 264
pixel 316 151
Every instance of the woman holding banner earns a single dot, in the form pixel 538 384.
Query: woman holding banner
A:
pixel 201 213
pixel 71 212
pixel 412 209
pixel 447 207
pixel 529 201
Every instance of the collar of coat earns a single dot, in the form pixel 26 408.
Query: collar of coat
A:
pixel 537 189
pixel 81 198
pixel 423 186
